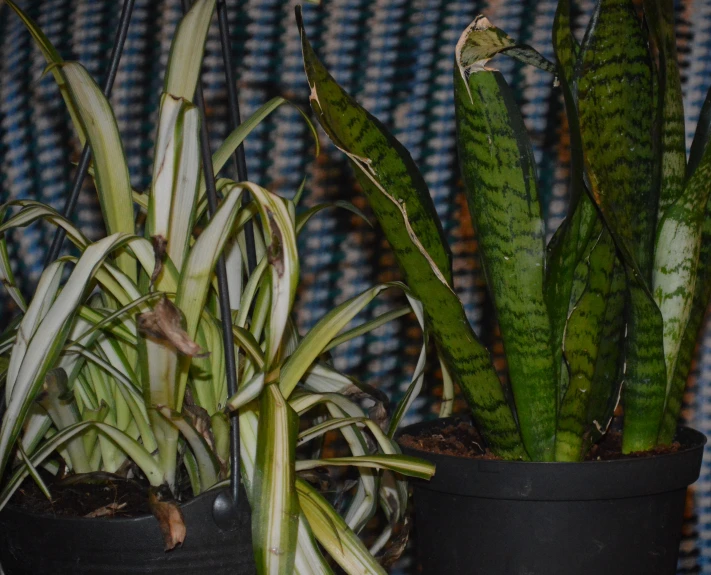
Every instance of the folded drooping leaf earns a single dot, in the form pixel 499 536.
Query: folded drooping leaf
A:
pixel 499 171
pixel 400 200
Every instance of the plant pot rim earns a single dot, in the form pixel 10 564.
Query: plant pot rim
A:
pixel 561 481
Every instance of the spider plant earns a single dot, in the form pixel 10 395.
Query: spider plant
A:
pixel 117 365
pixel 610 309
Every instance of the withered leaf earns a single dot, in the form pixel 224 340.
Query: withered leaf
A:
pixel 165 323
pixel 170 519
pixel 160 244
pixel 107 510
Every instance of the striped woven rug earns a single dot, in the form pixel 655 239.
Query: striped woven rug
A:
pixel 395 56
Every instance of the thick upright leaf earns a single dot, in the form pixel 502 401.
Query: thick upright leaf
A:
pixel 702 293
pixel 676 259
pixel 111 171
pixel 616 115
pixel 583 333
pixel 186 51
pixel 275 506
pixel 571 239
pixel 401 202
pixel 616 112
pixel 609 366
pixel 659 16
pixel 701 137
pixel 49 338
pixel 499 172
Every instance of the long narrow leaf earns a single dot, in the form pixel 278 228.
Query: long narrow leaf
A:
pixel 401 202
pixel 48 341
pixel 275 506
pixel 504 205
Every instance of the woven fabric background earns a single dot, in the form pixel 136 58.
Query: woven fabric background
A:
pixel 395 56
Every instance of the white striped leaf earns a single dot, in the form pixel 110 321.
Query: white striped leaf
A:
pixel 334 535
pixel 275 507
pixel 112 180
pixel 49 338
pixel 187 50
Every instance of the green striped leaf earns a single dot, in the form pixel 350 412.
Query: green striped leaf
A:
pixel 616 113
pixel 400 200
pixel 607 381
pixel 659 16
pixel 676 259
pixel 616 126
pixel 701 137
pixel 583 334
pixel 700 300
pixel 275 506
pixel 499 172
pixel 283 259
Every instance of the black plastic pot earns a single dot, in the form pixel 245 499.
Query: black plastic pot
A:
pixel 44 544
pixel 624 517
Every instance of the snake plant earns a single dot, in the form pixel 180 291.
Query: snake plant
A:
pixel 116 364
pixel 608 312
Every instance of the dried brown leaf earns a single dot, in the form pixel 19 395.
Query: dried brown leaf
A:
pixel 170 519
pixel 160 245
pixel 165 323
pixel 107 510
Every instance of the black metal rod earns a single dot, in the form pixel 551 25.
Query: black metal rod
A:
pixel 83 167
pixel 223 292
pixel 238 158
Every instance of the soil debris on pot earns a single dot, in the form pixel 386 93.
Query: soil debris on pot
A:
pixel 105 498
pixel 461 439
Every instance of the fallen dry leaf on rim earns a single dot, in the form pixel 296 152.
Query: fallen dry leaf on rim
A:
pixel 106 511
pixel 170 519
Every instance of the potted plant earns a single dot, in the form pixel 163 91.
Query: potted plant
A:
pixel 114 374
pixel 604 317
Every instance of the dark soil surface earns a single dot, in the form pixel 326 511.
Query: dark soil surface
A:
pixel 463 440
pixel 103 496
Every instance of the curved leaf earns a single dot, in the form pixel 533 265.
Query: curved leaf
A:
pixel 401 202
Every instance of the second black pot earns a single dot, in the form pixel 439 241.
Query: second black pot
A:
pixel 622 517
pixel 43 544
